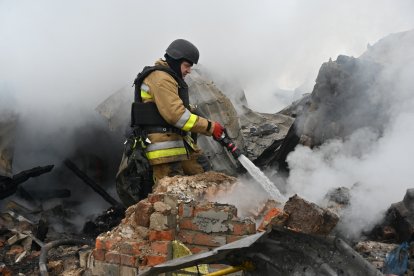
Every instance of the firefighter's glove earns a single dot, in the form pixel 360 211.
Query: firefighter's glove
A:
pixel 218 131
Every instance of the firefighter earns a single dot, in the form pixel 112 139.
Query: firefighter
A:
pixel 163 118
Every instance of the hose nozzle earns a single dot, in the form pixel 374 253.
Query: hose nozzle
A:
pixel 226 142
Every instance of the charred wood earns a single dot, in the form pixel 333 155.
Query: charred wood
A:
pixel 8 186
pixel 88 181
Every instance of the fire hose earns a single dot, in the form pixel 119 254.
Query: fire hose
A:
pixel 45 249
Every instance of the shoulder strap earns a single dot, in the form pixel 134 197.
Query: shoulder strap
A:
pixel 148 70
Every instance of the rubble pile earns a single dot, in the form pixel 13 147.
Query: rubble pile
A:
pixel 146 234
pixel 206 186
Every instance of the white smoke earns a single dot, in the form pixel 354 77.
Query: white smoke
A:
pixel 377 167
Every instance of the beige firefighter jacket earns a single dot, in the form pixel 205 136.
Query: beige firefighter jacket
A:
pixel 162 89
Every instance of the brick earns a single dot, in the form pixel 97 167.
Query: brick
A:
pixel 131 247
pixel 187 224
pixel 185 210
pixel 166 235
pixel 155 260
pixel 99 254
pixel 143 212
pixel 112 257
pixel 162 222
pixel 198 238
pixel 162 247
pixel 195 249
pixel 186 236
pixel 128 260
pixel 233 238
pixel 241 228
pixel 209 240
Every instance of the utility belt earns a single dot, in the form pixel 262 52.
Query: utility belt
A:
pixel 158 129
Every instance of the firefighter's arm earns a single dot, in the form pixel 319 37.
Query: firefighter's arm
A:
pixel 172 109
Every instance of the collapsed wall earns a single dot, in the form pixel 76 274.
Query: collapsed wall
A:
pixel 151 228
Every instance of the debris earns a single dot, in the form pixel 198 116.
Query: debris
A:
pixel 398 223
pixel 280 252
pixel 48 246
pixel 205 186
pixel 263 134
pixel 374 252
pixel 105 222
pixel 309 218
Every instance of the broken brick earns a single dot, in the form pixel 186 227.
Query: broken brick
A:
pixel 166 235
pixel 274 217
pixel 241 228
pixel 143 213
pixel 155 260
pixel 188 224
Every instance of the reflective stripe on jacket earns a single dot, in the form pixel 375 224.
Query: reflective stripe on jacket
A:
pixel 162 89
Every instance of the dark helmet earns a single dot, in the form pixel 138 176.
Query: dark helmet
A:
pixel 183 49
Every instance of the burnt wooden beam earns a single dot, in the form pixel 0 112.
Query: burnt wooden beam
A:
pixel 8 185
pixel 88 181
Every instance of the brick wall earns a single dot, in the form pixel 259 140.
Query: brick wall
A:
pixel 144 238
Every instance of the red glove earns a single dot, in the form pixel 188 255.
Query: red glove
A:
pixel 217 130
